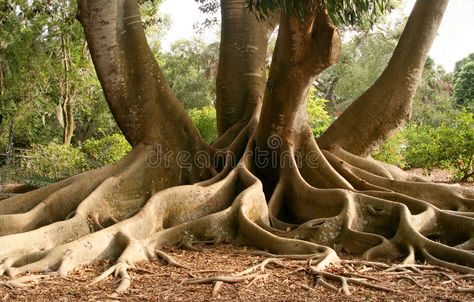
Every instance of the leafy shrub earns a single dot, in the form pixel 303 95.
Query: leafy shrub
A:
pixel 463 88
pixel 393 150
pixel 457 145
pixel 449 146
pixel 423 146
pixel 205 120
pixel 44 164
pixel 107 150
pixel 318 117
pixel 52 162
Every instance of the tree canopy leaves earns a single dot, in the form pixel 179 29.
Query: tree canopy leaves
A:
pixel 345 12
pixel 463 87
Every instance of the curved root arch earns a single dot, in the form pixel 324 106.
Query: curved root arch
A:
pixel 117 220
pixel 343 202
pixel 377 224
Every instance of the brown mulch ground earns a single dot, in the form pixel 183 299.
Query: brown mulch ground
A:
pixel 286 281
pixel 156 281
pixel 439 175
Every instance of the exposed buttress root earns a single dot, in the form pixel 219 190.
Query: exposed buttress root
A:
pixel 124 212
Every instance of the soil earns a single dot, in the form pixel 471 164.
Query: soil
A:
pixel 284 280
pixel 439 175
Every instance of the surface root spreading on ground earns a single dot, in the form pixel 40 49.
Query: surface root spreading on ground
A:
pixel 123 212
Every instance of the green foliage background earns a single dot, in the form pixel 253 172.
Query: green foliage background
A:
pixel 439 134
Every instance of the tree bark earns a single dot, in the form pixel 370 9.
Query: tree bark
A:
pixel 241 75
pixel 141 101
pixel 145 108
pixel 387 104
pixel 303 50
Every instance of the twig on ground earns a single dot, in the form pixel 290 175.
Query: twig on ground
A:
pixel 378 265
pixel 355 275
pixel 217 287
pixel 411 279
pixel 22 281
pixel 171 261
pixel 305 287
pixel 464 290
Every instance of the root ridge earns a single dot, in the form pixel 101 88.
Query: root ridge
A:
pixel 362 207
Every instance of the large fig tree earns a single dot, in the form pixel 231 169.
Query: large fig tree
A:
pixel 265 181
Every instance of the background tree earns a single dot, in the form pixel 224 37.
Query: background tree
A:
pixel 264 181
pixel 189 66
pixel 433 99
pixel 460 64
pixel 463 88
pixel 362 60
pixel 46 102
pixel 48 76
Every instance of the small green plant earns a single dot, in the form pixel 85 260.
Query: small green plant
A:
pixel 457 145
pixel 107 150
pixel 449 146
pixel 205 120
pixel 318 117
pixel 50 163
pixel 393 150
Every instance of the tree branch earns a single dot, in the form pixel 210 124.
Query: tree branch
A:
pixel 303 50
pixel 385 106
pixel 241 76
pixel 138 95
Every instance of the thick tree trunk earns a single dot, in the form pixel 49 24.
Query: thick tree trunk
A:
pixel 138 94
pixel 241 80
pixel 387 104
pixel 143 105
pixel 302 51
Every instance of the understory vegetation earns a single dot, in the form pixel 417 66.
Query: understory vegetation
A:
pixel 449 146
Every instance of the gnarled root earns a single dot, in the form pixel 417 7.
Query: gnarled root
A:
pixel 253 273
pixel 231 209
pixel 377 222
pixel 22 281
pixel 343 202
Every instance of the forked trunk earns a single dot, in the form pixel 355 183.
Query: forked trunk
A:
pixel 303 50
